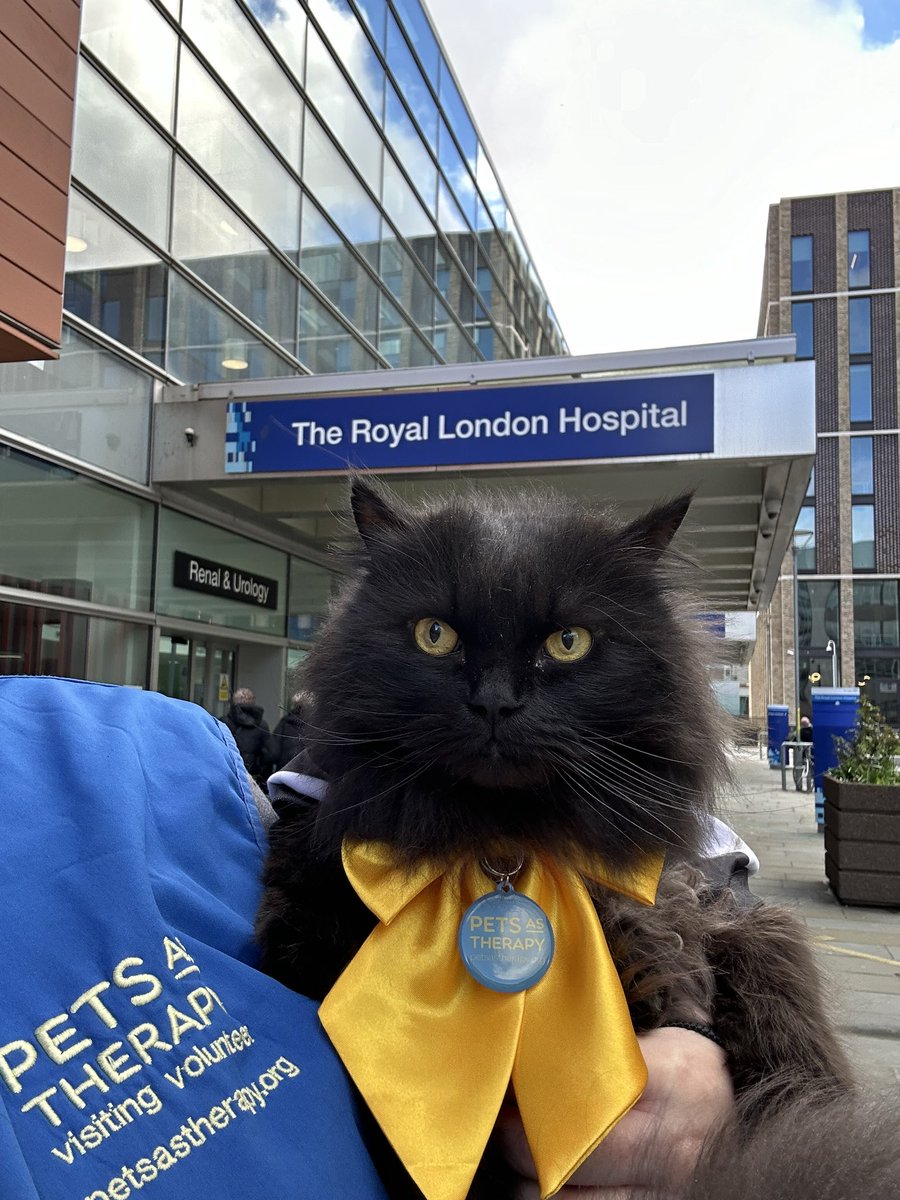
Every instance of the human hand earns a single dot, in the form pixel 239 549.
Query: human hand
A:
pixel 655 1146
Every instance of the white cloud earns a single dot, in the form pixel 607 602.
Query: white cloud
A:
pixel 640 143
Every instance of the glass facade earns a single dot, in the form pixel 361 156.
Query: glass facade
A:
pixel 260 188
pixel 858 258
pixel 860 392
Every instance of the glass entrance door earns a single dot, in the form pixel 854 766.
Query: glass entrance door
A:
pixel 197 669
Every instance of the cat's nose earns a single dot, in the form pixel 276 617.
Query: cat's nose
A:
pixel 494 700
pixel 494 710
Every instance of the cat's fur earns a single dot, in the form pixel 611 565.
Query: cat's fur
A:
pixel 497 748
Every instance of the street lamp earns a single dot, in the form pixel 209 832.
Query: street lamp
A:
pixel 831 648
pixel 806 534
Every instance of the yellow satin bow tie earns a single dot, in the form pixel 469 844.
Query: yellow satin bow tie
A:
pixel 433 1052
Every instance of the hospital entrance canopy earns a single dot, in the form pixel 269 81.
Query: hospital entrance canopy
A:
pixel 734 422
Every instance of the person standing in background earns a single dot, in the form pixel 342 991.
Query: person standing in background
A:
pixel 250 732
pixel 285 742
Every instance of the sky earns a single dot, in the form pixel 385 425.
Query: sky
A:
pixel 641 142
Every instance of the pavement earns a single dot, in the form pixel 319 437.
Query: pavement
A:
pixel 857 948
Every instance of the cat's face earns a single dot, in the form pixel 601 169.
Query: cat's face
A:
pixel 510 670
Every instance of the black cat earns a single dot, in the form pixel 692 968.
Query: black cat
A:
pixel 522 676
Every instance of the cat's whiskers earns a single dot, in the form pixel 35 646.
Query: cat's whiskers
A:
pixel 597 804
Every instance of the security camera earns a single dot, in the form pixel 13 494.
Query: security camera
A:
pixel 190 435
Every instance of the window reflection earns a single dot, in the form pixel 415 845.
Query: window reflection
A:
pixel 860 314
pixel 325 345
pixel 863 536
pixel 346 38
pixel 118 156
pixel 861 469
pixel 401 205
pixel 374 12
pixel 860 391
pixel 412 85
pixel 490 190
pixel 409 286
pixel 203 338
pixel 818 613
pixel 337 189
pixel 450 219
pixel 421 35
pixel 457 173
pixel 328 261
pixel 46 402
pixel 802 264
pixel 458 116
pixel 876 619
pixel 113 281
pixel 47 641
pixel 805 538
pixel 333 97
pixel 802 326
pixel 138 47
pixel 210 239
pixel 858 258
pixel 225 145
pixel 233 48
pixel 284 23
pixel 410 148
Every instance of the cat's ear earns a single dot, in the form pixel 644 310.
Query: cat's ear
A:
pixel 373 515
pixel 656 528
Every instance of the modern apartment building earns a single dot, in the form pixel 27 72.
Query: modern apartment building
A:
pixel 831 271
pixel 259 188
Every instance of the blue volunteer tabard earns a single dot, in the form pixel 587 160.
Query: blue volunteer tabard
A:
pixel 141 1052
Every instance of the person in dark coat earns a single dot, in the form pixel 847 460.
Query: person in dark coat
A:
pixel 285 742
pixel 250 732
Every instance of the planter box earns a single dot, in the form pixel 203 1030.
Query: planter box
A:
pixel 862 842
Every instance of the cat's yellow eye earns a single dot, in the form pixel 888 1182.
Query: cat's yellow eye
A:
pixel 568 645
pixel 435 637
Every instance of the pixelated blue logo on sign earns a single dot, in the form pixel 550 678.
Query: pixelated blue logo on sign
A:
pixel 239 444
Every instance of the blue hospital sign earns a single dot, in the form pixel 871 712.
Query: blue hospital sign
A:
pixel 595 419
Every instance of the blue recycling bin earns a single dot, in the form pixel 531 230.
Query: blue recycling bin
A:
pixel 779 723
pixel 834 713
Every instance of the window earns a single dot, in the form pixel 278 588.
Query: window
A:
pixel 811 486
pixel 410 83
pixel 802 326
pixel 860 392
pixel 876 620
pixel 860 315
pixel 858 258
pixel 139 48
pixel 861 466
pixel 863 537
pixel 801 264
pixel 805 538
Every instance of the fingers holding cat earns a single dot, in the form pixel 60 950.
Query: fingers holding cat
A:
pixel 654 1148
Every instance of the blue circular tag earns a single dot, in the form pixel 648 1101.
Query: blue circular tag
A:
pixel 505 941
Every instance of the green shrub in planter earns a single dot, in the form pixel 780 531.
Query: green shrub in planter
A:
pixel 862 813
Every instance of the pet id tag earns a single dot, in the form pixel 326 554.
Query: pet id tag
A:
pixel 505 940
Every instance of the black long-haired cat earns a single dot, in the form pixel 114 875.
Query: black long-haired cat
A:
pixel 521 678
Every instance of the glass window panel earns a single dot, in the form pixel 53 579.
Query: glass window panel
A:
pixel 410 149
pixel 88 403
pixel 69 536
pixel 117 155
pixel 411 85
pixel 337 189
pixel 225 145
pixel 863 536
pixel 345 36
pixel 811 486
pixel 861 476
pixel 805 538
pixel 284 23
pixel 178 532
pixel 420 34
pixel 325 345
pixel 214 242
pixel 203 338
pixel 331 265
pixel 139 48
pixel 401 205
pixel 458 116
pixel 876 613
pixel 334 98
pixel 233 48
pixel 858 258
pixel 407 283
pixel 46 641
pixel 450 219
pixel 113 281
pixel 490 190
pixel 802 326
pixel 311 588
pixel 818 613
pixel 457 174
pixel 374 12
pixel 860 391
pixel 860 314
pixel 801 264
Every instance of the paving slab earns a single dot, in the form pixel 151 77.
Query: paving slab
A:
pixel 857 948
